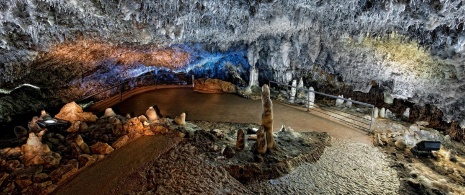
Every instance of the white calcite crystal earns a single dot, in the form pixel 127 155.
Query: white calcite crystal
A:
pixel 151 115
pixel 293 91
pixel 348 103
pixel 388 99
pixel 406 113
pixel 311 97
pixel 462 124
pixel 382 113
pixel 301 89
pixel 181 119
pixel 109 112
pixel 376 113
pixel 340 102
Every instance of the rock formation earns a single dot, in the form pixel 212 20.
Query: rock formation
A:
pixel 36 153
pixel 267 117
pixel 181 119
pixel 109 112
pixel 311 97
pixel 375 112
pixel 293 91
pixel 382 113
pixel 261 145
pixel 340 102
pixel 214 86
pixel 73 112
pixel 240 142
pixel 348 104
pixel 151 115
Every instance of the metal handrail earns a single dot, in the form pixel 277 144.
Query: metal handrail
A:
pixel 336 97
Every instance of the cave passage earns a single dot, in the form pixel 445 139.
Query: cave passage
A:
pixel 233 108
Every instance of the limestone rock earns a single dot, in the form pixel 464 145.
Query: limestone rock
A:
pixel 36 153
pixel 143 118
pixel 40 177
pixel 293 91
pixel 73 112
pixel 348 104
pixel 339 102
pixel 181 119
pixel 10 152
pixel 133 125
pixel 311 97
pixel 33 126
pixel 382 113
pixel 23 181
pixel 123 140
pixel 151 115
pixel 83 128
pixel 81 144
pixel 74 127
pixel 85 160
pixel 109 112
pixel 214 86
pixel 267 117
pixel 376 113
pixel 261 145
pixel 240 142
pixel 64 171
pixel 101 148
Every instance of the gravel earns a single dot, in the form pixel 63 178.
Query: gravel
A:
pixel 345 168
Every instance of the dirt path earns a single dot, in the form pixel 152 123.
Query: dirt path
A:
pixel 236 109
pixel 104 176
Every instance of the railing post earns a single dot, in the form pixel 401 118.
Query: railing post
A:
pixel 372 118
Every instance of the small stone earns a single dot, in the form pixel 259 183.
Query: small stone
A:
pixel 65 171
pixel 10 152
pixel 75 149
pixel 14 165
pixel 228 152
pixel 23 181
pixel 98 157
pixel 74 127
pixel 82 145
pixel 133 125
pixel 85 160
pixel 123 140
pixel 40 177
pixel 109 113
pixel 240 142
pixel 101 148
pixel 142 118
pixel 252 137
pixel 83 128
pixel 218 133
pixel 181 119
pixel 40 188
pixel 73 112
pixel 3 176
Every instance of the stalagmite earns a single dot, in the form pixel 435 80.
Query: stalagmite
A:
pixel 240 142
pixel 339 102
pixel 348 104
pixel 109 112
pixel 376 113
pixel 261 145
pixel 382 113
pixel 151 115
pixel 300 89
pixel 267 116
pixel 293 91
pixel 406 113
pixel 181 119
pixel 311 97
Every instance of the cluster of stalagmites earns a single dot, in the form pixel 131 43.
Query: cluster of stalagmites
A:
pixel 264 135
pixel 47 158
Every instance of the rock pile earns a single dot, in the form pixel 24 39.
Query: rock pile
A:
pixel 46 158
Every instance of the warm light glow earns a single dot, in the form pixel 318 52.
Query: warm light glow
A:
pixel 91 53
pixel 49 121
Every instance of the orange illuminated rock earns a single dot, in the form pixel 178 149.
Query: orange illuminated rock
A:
pixel 101 148
pixel 123 140
pixel 36 153
pixel 73 112
pixel 213 86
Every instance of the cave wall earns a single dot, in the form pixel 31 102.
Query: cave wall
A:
pixel 352 41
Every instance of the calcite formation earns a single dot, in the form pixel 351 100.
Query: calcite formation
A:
pixel 151 115
pixel 181 119
pixel 73 112
pixel 240 142
pixel 267 117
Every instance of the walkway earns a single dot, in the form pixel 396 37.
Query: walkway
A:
pixel 233 108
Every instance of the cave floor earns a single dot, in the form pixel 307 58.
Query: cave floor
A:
pixel 236 109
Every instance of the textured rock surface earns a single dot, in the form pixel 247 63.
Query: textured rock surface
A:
pixel 213 86
pixel 73 112
pixel 352 41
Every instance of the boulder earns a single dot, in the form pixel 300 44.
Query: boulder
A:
pixel 73 112
pixel 123 140
pixel 101 148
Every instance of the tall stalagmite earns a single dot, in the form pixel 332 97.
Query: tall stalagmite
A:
pixel 267 116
